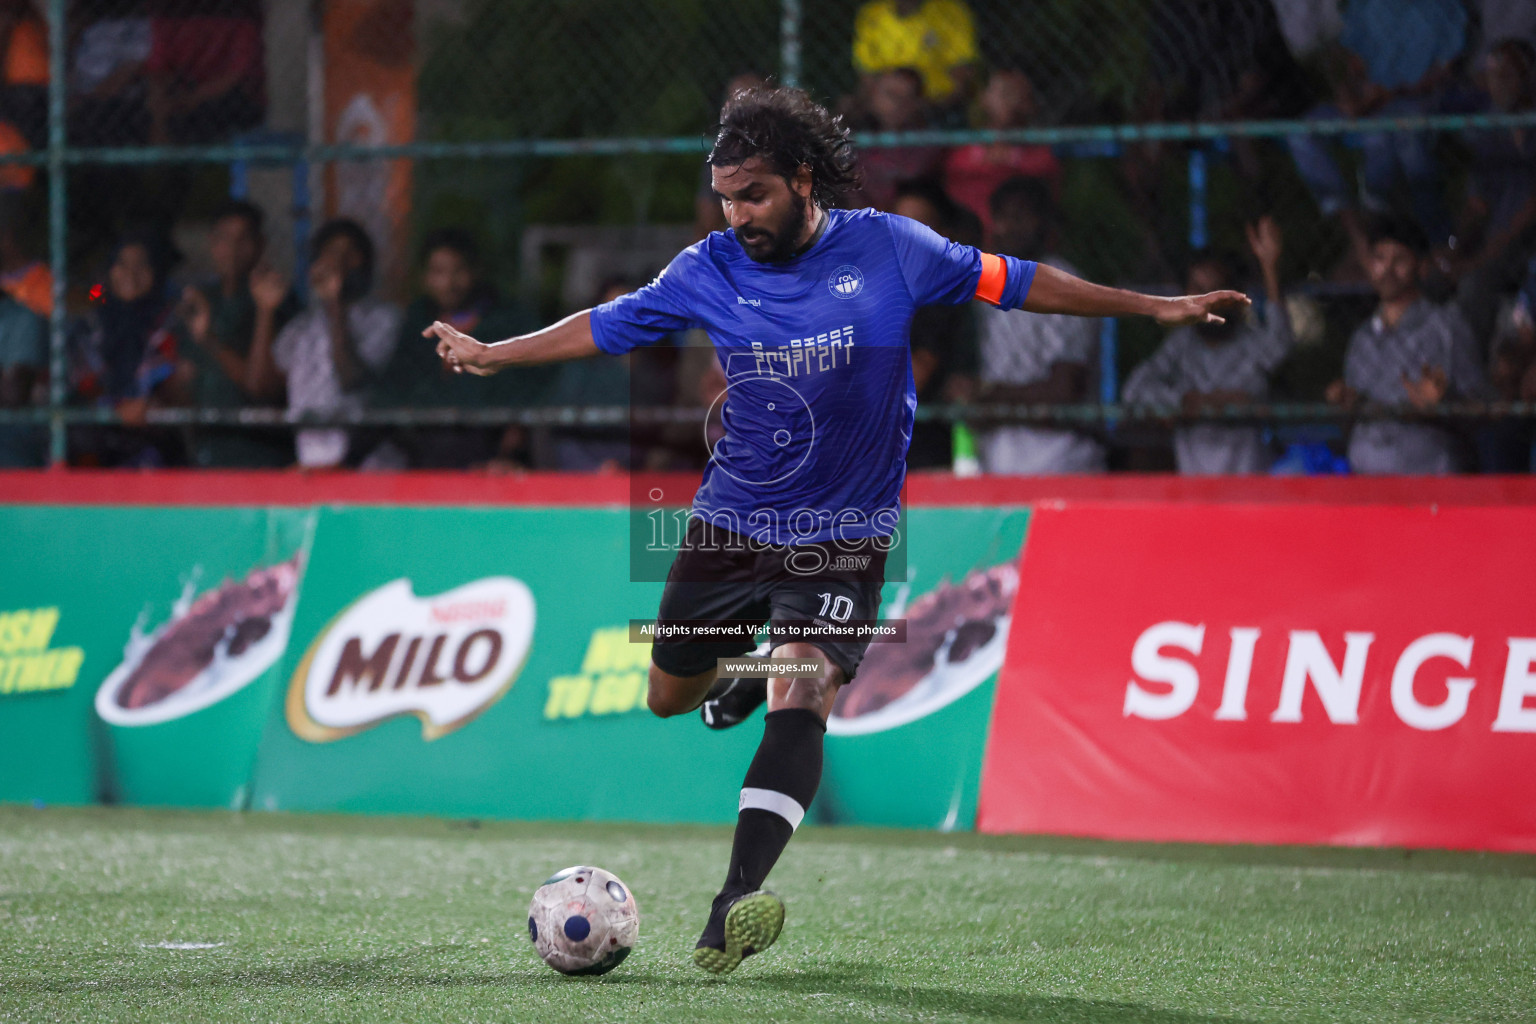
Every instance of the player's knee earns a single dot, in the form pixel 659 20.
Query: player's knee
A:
pixel 661 705
pixel 814 693
pixel 662 696
pixel 810 694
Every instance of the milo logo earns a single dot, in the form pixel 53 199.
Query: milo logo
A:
pixel 444 659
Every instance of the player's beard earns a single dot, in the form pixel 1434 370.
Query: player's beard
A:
pixel 778 245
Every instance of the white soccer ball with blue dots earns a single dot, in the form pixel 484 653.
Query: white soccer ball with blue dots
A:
pixel 583 920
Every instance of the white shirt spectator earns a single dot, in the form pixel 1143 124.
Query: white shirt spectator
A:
pixel 303 352
pixel 1186 362
pixel 107 45
pixel 1020 348
pixel 1308 25
pixel 1375 364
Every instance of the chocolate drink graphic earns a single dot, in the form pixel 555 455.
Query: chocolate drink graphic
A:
pixel 221 625
pixel 213 644
pixel 955 639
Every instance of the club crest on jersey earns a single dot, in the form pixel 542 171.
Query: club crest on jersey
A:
pixel 846 282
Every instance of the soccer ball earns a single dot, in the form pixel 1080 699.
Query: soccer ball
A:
pixel 583 920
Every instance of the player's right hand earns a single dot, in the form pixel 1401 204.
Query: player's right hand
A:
pixel 268 289
pixel 195 314
pixel 462 353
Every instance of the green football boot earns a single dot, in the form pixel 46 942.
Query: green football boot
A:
pixel 739 926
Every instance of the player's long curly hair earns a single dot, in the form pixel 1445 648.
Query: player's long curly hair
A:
pixel 787 129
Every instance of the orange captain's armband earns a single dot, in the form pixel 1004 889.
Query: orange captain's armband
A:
pixel 994 276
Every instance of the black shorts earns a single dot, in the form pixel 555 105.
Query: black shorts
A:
pixel 729 580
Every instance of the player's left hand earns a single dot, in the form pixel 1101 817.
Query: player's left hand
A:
pixel 1201 309
pixel 1429 390
pixel 462 353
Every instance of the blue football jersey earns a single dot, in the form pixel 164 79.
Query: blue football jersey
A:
pixel 819 406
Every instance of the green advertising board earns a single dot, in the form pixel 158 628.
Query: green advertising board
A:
pixel 905 741
pixel 445 661
pixel 565 735
pixel 137 666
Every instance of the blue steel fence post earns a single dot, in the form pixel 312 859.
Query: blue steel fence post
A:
pixel 1199 235
pixel 1109 365
pixel 789 43
pixel 57 231
pixel 1109 360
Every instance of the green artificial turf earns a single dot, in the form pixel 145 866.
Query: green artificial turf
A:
pixel 353 919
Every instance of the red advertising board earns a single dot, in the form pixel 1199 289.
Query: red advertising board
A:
pixel 1359 675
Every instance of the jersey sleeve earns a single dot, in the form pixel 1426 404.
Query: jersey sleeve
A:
pixel 940 272
pixel 645 316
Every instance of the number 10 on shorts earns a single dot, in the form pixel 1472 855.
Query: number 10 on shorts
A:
pixel 836 608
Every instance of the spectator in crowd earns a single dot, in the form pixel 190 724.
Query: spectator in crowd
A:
pixel 1396 55
pixel 943 338
pixel 1308 25
pixel 1499 20
pixel 1227 60
pixel 936 37
pixel 207 70
pixel 454 291
pixel 23 276
pixel 1514 363
pixel 221 320
pixel 24 94
pixel 1223 60
pixel 1498 225
pixel 24 44
pixel 124 353
pixel 107 94
pixel 1410 353
pixel 972 173
pixel 1207 60
pixel 896 105
pixel 23 367
pixel 1040 359
pixel 1507 445
pixel 326 354
pixel 14 177
pixel 1209 366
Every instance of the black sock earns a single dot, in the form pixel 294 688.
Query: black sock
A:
pixel 778 788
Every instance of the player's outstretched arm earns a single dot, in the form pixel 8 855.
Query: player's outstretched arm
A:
pixel 571 338
pixel 1054 291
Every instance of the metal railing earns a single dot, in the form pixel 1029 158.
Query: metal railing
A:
pixel 1105 414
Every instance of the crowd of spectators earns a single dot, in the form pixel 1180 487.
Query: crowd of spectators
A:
pixel 1449 265
pixel 1448 257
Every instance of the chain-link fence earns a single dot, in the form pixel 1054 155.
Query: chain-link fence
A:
pixel 563 139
